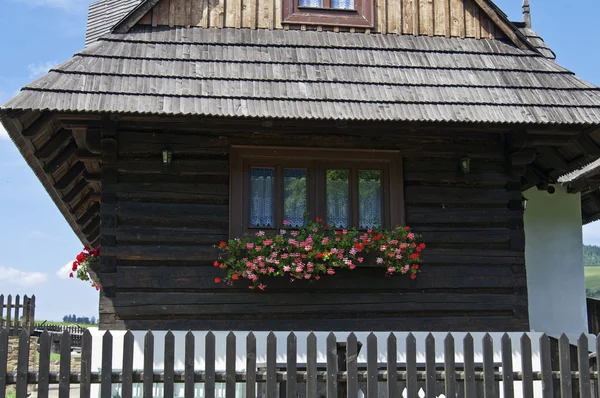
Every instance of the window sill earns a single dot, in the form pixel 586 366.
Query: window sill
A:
pixel 327 10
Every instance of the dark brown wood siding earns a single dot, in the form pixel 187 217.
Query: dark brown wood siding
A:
pixel 159 225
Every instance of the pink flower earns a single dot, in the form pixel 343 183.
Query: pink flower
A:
pixel 345 232
pixel 307 276
pixel 360 259
pixel 299 268
pixel 268 242
pixel 379 260
pixel 249 245
pixel 391 270
pixel 383 248
pixel 260 233
pixel 282 231
pixel 262 287
pixel 294 233
pixel 353 251
pixel 410 236
pixel 330 271
pixel 286 222
pixel 271 269
pixel 325 241
pixel 287 268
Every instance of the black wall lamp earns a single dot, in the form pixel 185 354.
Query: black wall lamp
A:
pixel 465 164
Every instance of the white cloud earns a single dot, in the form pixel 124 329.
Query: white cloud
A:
pixel 3 133
pixel 37 70
pixel 15 277
pixel 64 271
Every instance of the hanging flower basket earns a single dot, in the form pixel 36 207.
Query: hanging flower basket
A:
pixel 83 264
pixel 316 251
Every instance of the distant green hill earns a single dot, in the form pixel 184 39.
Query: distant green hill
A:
pixel 591 256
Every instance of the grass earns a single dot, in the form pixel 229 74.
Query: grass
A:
pixel 83 325
pixel 592 278
pixel 11 395
pixel 53 357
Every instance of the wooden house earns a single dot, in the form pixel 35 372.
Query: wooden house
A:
pixel 149 141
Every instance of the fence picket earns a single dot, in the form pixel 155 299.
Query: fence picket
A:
pixel 2 311
pixel 352 366
pixel 23 364
pixel 449 366
pixel 469 353
pixel 311 366
pixel 230 366
pixel 107 348
pixel 507 367
pixel 31 326
pixel 546 367
pixel 489 387
pixel 169 368
pixel 44 365
pixel 565 367
pixel 86 365
pixel 598 364
pixel 148 365
pixel 65 365
pixel 411 366
pixel 8 312
pixel 190 349
pixel 526 365
pixel 392 366
pixel 17 319
pixel 372 373
pixel 251 366
pixel 430 382
pixel 127 387
pixel 292 367
pixel 3 360
pixel 332 366
pixel 209 358
pixel 584 367
pixel 25 316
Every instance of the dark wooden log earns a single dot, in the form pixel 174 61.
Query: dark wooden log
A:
pixel 39 125
pixel 526 365
pixel 209 361
pixel 458 196
pixel 177 167
pixel 64 385
pixel 169 387
pixel 127 385
pixel 44 365
pixel 148 365
pixel 507 367
pixel 61 157
pixel 311 366
pixel 67 180
pixel 411 366
pixel 22 363
pixel 230 358
pixel 190 354
pixel 54 144
pixel 449 366
pixel 469 354
pixel 86 364
pixel 392 367
pixel 292 367
pixel 250 365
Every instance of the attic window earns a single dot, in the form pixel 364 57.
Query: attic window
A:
pixel 350 13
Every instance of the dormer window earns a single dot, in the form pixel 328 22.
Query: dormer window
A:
pixel 349 13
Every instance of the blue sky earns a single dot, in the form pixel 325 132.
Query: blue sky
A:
pixel 36 241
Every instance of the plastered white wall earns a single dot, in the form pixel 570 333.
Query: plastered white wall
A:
pixel 554 262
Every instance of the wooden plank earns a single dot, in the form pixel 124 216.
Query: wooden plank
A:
pixel 546 367
pixel 469 353
pixel 332 366
pixel 209 363
pixel 311 366
pixel 148 365
pixel 489 384
pixel 127 385
pixel 372 386
pixel 440 20
pixel 469 30
pixel 53 145
pixel 448 21
pixel 232 16
pixel 394 23
pixel 392 367
pixel 411 366
pixel 476 21
pixel 507 367
pixel 381 10
pixel 86 365
pixel 430 371
pixel 426 17
pixel 271 365
pixel 64 385
pixel 107 351
pixel 169 371
pixel 250 365
pixel 3 360
pixel 190 353
pixel 230 358
pixel 44 365
pixel 23 364
pixel 407 16
pixel 449 366
pixel 292 367
pixel 526 366
pixel 584 367
pixel 204 13
pixel 172 8
pixel 17 318
pixel 565 366
pixel 416 17
pixel 458 18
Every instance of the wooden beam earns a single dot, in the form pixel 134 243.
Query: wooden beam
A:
pixel 93 210
pixel 524 157
pixel 38 126
pixel 135 16
pixel 588 145
pixel 53 145
pixel 71 175
pixel 75 191
pixel 90 177
pixel 86 156
pixel 60 158
pixel 92 141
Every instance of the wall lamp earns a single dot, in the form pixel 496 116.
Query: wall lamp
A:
pixel 167 156
pixel 465 164
pixel 525 200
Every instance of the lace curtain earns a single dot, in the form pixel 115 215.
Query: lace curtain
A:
pixel 369 188
pixel 261 191
pixel 343 4
pixel 338 198
pixel 311 3
pixel 294 185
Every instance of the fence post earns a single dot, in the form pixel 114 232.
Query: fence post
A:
pixel 23 364
pixel 25 318
pixel 65 365
pixel 1 311
pixel 8 314
pixel 44 365
pixel 106 383
pixel 392 366
pixel 3 360
pixel 32 314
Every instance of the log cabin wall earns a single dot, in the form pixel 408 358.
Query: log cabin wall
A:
pixel 159 225
pixel 449 18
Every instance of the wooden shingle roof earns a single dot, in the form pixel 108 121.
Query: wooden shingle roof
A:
pixel 314 75
pixel 104 15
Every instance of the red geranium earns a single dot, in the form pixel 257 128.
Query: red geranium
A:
pixel 81 263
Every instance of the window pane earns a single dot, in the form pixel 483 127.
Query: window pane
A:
pixel 261 192
pixel 311 3
pixel 343 4
pixel 338 198
pixel 294 185
pixel 369 192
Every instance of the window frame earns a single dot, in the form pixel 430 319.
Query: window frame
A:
pixel 316 161
pixel 360 17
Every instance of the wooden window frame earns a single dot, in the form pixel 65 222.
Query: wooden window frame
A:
pixel 243 158
pixel 360 17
